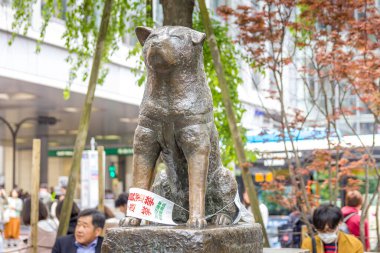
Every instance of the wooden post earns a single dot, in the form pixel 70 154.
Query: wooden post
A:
pixel 34 192
pixel 101 178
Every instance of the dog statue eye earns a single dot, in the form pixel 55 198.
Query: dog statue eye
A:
pixel 178 37
pixel 152 36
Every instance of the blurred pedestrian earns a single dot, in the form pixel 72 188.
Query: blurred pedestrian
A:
pixel 87 237
pixel 62 193
pixel 329 239
pixel 22 194
pixel 3 217
pixel 12 228
pixel 3 207
pixel 60 196
pixel 295 225
pixel 73 216
pixel 47 228
pixel 119 213
pixel 121 206
pixel 53 193
pixel 351 215
pixel 263 209
pixel 44 194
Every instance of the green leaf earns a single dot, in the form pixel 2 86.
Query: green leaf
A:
pixel 66 93
pixel 228 53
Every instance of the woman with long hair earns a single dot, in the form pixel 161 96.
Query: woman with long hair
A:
pixel 46 228
pixel 12 227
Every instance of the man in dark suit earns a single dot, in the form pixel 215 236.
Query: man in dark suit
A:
pixel 86 238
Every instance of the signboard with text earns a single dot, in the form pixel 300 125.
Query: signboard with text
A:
pixel 123 151
pixel 89 179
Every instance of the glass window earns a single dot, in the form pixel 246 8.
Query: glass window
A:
pixel 366 128
pixel 130 39
pixel 158 13
pixel 60 8
pixel 5 2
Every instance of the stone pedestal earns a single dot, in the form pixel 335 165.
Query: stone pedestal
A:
pixel 269 250
pixel 245 238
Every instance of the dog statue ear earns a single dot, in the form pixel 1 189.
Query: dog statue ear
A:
pixel 197 37
pixel 142 33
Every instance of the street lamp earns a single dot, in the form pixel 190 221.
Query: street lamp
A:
pixel 42 120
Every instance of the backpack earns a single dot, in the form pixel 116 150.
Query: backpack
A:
pixel 343 227
pixel 297 228
pixel 290 233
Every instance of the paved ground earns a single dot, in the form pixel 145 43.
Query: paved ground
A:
pixel 24 234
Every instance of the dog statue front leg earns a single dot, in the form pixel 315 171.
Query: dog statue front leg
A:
pixel 195 143
pixel 197 169
pixel 146 151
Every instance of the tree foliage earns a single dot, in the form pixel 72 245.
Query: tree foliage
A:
pixel 334 48
pixel 82 21
pixel 228 53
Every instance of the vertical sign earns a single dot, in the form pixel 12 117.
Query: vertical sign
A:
pixel 101 178
pixel 89 179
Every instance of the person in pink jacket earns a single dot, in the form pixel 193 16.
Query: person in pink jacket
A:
pixel 351 215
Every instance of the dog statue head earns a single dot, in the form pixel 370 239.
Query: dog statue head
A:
pixel 169 47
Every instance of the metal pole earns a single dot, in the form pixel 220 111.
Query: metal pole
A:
pixel 14 134
pixel 14 160
pixel 14 137
pixel 14 143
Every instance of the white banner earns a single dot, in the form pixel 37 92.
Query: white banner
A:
pixel 146 205
pixel 149 206
pixel 89 179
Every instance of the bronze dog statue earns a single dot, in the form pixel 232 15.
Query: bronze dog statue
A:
pixel 176 121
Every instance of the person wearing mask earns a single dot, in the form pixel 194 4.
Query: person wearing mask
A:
pixel 44 194
pixel 47 228
pixel 329 239
pixel 86 238
pixel 351 215
pixel 12 227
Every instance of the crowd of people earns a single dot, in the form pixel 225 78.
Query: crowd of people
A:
pixel 85 226
pixel 335 230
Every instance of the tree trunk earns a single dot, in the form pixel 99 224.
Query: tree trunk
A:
pixel 377 219
pixel 149 13
pixel 365 207
pixel 178 12
pixel 231 118
pixel 80 141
